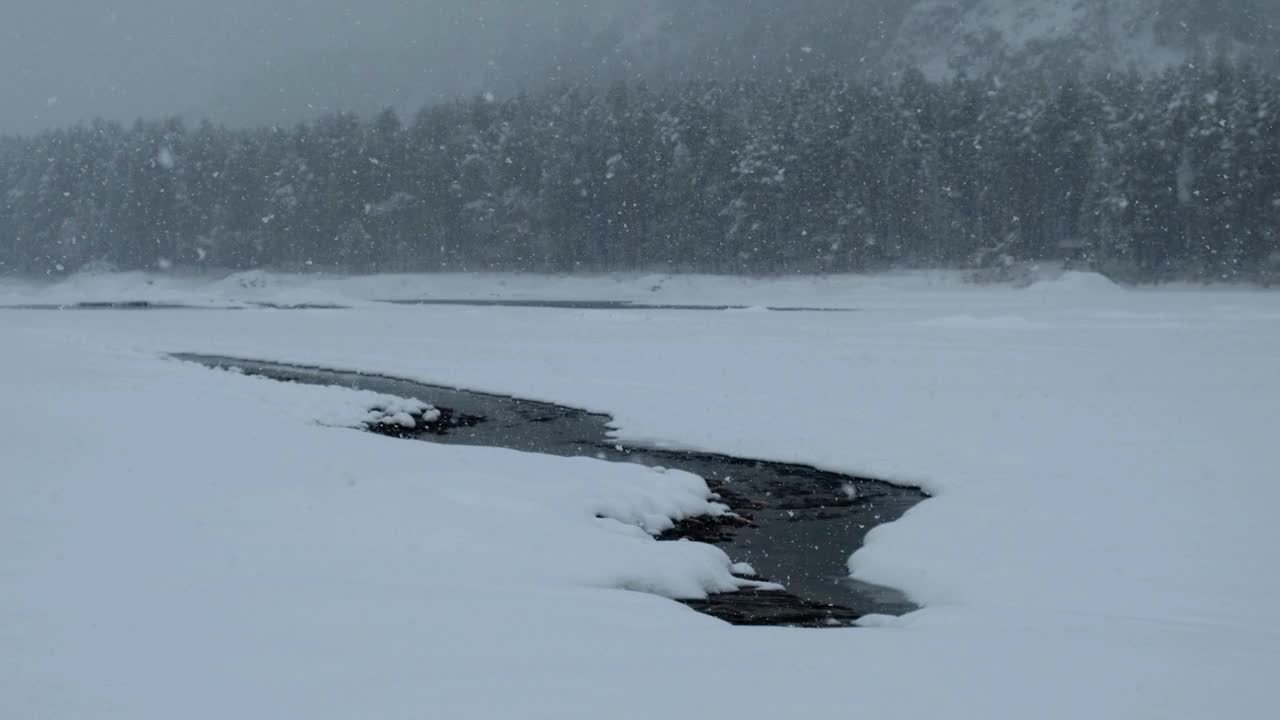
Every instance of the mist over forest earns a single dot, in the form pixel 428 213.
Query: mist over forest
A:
pixel 1138 138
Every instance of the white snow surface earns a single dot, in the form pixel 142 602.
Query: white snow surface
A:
pixel 256 286
pixel 179 542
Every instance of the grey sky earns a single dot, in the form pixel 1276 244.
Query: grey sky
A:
pixel 256 62
pixel 242 60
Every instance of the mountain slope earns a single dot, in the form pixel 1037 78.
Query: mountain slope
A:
pixel 943 37
pixel 679 39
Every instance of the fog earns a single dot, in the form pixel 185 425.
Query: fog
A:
pixel 256 61
pixel 264 62
pixel 261 62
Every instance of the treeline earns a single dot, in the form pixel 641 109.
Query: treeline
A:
pixel 1146 179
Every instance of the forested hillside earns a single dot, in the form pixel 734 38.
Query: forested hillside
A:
pixel 1146 178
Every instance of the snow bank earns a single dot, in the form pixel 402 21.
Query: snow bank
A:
pixel 360 408
pixel 257 287
pixel 174 525
pixel 1076 282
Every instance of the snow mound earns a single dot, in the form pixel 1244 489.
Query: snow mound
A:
pixel 402 412
pixel 1075 281
pixel 255 281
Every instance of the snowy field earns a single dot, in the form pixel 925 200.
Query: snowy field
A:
pixel 177 542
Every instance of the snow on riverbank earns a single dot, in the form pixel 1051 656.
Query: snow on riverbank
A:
pixel 257 286
pixel 192 543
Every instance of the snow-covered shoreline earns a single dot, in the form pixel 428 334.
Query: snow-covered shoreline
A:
pixel 256 287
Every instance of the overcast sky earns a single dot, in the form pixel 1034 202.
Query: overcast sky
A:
pixel 257 62
pixel 244 60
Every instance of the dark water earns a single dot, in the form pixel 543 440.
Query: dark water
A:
pixel 148 305
pixel 113 305
pixel 548 304
pixel 799 524
pixel 598 305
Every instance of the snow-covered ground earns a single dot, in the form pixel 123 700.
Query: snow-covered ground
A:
pixel 178 542
pixel 255 286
